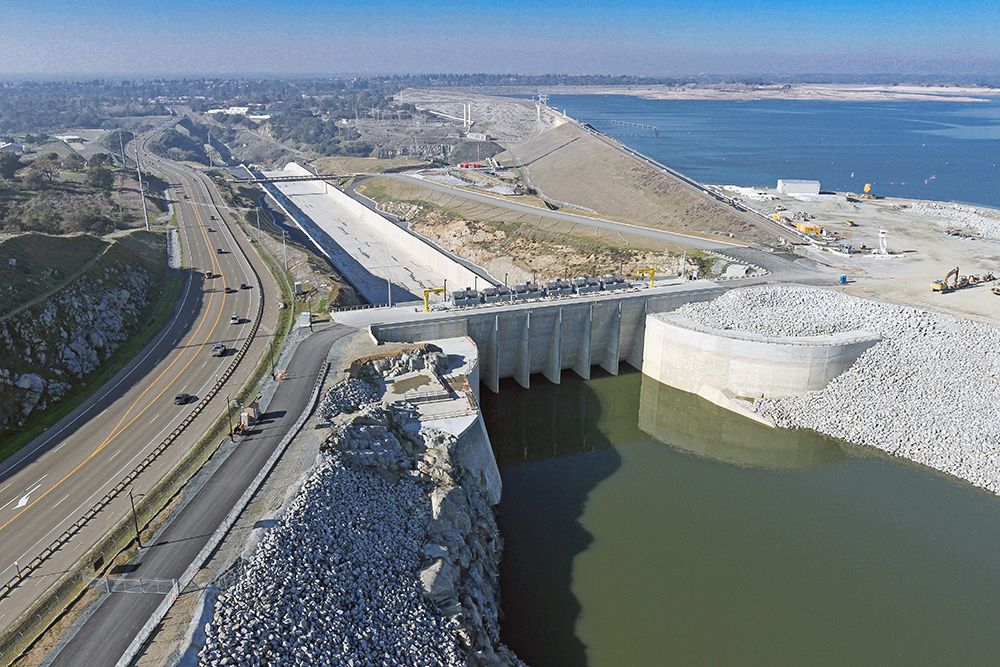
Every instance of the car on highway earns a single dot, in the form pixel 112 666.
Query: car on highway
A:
pixel 182 398
pixel 219 349
pixel 244 286
pixel 218 250
pixel 234 319
pixel 229 290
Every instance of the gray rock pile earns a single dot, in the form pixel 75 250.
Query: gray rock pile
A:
pixel 388 556
pixel 926 392
pixel 394 365
pixel 957 215
pixel 51 346
pixel 348 396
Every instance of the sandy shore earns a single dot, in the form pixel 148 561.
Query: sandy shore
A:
pixel 817 91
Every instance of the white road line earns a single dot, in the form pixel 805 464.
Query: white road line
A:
pixel 115 454
pixel 63 498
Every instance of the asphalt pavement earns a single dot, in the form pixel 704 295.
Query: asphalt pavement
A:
pixel 119 616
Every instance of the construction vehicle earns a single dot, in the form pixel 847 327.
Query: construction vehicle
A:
pixel 868 192
pixel 995 289
pixel 958 283
pixel 851 223
pixel 943 286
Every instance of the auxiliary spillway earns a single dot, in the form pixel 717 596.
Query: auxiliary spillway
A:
pixel 377 256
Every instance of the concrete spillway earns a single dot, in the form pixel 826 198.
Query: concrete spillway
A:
pixel 547 337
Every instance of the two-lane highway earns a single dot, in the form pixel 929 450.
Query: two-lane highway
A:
pixel 52 482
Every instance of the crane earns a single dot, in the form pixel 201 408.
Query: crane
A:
pixel 427 293
pixel 650 272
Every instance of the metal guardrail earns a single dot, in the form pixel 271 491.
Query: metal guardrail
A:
pixel 227 523
pixel 139 586
pixel 78 525
pixel 124 483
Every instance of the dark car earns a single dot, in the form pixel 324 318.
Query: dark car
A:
pixel 244 286
pixel 218 250
pixel 182 398
pixel 229 290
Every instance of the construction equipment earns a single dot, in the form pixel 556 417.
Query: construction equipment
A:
pixel 427 293
pixel 995 289
pixel 943 286
pixel 850 223
pixel 868 192
pixel 649 272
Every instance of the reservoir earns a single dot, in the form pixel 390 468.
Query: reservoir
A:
pixel 645 526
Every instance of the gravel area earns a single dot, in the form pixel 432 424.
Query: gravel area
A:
pixel 334 582
pixel 926 393
pixel 957 215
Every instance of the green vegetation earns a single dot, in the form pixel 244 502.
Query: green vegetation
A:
pixel 35 265
pixel 142 250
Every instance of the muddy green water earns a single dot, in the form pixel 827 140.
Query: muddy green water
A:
pixel 644 526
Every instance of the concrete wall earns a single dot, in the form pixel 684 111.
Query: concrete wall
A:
pixel 690 356
pixel 549 337
pixel 457 275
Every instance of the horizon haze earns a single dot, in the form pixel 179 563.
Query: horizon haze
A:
pixel 265 38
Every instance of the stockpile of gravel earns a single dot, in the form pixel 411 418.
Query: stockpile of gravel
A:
pixel 952 215
pixel 927 392
pixel 335 582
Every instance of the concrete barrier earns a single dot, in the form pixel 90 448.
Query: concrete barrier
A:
pixel 690 356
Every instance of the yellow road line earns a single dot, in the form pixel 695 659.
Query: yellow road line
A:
pixel 116 431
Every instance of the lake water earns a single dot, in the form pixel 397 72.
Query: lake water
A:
pixel 645 526
pixel 923 150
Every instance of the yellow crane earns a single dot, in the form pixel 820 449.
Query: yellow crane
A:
pixel 649 272
pixel 427 293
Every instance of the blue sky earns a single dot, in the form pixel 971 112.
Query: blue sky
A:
pixel 659 38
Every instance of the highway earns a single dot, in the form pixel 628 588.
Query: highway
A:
pixel 53 481
pixel 119 616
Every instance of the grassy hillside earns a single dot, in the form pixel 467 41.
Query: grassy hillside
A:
pixel 569 165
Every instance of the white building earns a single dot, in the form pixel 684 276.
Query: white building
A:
pixel 788 186
pixel 11 147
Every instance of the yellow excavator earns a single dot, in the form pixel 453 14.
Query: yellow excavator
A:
pixel 943 286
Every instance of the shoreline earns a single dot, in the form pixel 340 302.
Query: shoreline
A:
pixel 738 92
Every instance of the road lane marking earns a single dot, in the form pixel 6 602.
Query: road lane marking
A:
pixel 119 429
pixel 115 454
pixel 24 499
pixel 63 498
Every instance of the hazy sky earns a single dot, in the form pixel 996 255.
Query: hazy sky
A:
pixel 43 38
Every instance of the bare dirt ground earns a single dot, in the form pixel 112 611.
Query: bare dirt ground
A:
pixel 520 246
pixel 570 166
pixel 366 165
pixel 920 251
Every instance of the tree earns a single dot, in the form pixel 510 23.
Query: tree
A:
pixel 34 180
pixel 46 168
pixel 101 160
pixel 9 164
pixel 74 161
pixel 100 177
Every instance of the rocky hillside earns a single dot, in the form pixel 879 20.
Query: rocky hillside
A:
pixel 67 323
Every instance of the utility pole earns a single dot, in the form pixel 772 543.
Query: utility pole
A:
pixel 135 518
pixel 142 196
pixel 229 409
pixel 258 222
pixel 283 250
